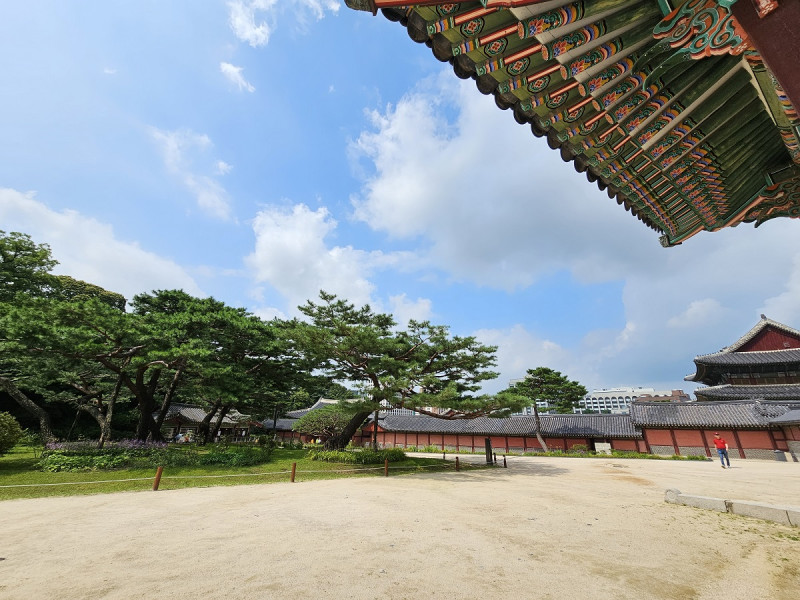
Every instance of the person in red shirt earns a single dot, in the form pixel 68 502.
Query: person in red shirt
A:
pixel 722 450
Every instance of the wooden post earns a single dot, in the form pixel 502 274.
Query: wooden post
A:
pixel 505 466
pixel 458 468
pixel 444 455
pixel 386 467
pixel 157 480
pixel 294 470
pixel 495 457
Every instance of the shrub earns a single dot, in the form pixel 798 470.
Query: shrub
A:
pixel 237 456
pixel 10 432
pixel 137 454
pixel 361 457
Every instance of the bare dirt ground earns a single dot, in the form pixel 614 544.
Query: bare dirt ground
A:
pixel 545 528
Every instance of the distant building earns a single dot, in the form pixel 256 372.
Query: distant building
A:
pixel 618 400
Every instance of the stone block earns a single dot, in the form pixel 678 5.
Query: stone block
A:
pixel 705 502
pixel 794 516
pixel 759 510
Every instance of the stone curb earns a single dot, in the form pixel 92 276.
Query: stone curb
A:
pixel 786 515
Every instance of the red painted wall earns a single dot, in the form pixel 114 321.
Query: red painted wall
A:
pixel 770 339
pixel 658 437
pixel 754 439
pixel 625 445
pixel 689 437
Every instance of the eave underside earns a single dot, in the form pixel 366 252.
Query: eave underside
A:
pixel 686 135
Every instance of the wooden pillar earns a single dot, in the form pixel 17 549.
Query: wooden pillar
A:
pixel 738 444
pixel 772 439
pixel 674 441
pixel 705 443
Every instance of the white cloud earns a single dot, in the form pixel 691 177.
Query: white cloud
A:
pixel 493 206
pixel 253 21
pixel 403 309
pixel 785 307
pixel 222 168
pixel 88 250
pixel 185 155
pixel 520 350
pixel 109 71
pixel 234 75
pixel 291 254
pixel 496 207
pixel 698 313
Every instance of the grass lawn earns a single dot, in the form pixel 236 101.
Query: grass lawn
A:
pixel 17 468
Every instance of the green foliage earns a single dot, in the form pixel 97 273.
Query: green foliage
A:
pixel 82 457
pixel 546 384
pixel 74 290
pixel 360 457
pixel 10 432
pixel 325 422
pixel 237 456
pixel 24 266
pixel 418 367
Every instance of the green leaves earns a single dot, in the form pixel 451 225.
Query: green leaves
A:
pixel 546 384
pixel 422 367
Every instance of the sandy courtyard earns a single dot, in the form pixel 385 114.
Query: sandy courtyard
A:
pixel 544 528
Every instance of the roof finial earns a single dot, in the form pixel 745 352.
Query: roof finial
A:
pixel 763 316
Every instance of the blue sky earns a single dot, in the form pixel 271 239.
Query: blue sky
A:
pixel 259 151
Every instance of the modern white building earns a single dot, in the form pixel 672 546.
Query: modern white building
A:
pixel 618 400
pixel 614 400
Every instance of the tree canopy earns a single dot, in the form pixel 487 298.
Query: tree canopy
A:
pixel 545 384
pixel 423 368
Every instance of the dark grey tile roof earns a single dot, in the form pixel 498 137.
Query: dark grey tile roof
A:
pixel 296 414
pixel 708 414
pixel 190 413
pixel 767 357
pixel 780 391
pixel 789 418
pixel 280 425
pixel 592 426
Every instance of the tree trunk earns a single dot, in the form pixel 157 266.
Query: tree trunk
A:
pixel 339 442
pixel 146 428
pixel 375 430
pixel 539 427
pixel 203 430
pixel 162 414
pixel 99 415
pixel 45 428
pixel 223 411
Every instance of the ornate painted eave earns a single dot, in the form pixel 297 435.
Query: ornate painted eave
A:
pixel 674 113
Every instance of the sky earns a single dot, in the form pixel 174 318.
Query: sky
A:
pixel 259 151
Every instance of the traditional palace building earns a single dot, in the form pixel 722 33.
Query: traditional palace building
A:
pixel 752 399
pixel 763 364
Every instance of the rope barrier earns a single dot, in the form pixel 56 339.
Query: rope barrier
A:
pixel 75 482
pixel 262 474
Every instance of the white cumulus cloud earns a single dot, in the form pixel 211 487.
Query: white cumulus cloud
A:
pixel 293 256
pixel 88 249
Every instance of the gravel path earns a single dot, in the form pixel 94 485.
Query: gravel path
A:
pixel 544 528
